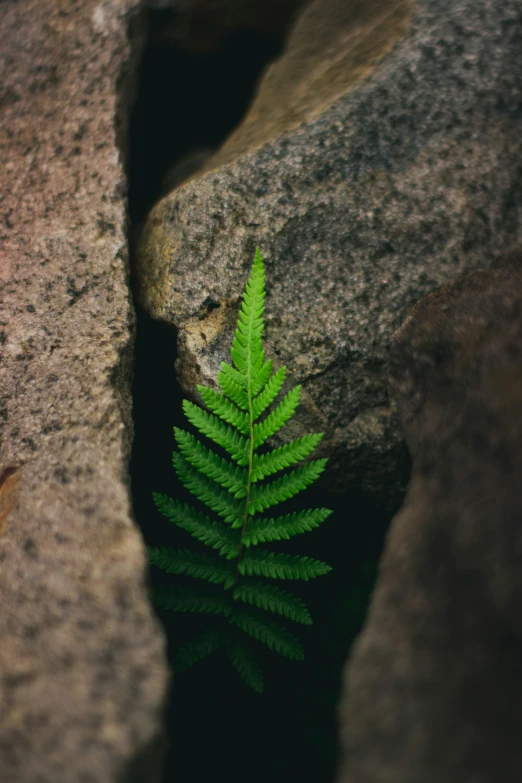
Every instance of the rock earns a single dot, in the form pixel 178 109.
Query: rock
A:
pixel 433 690
pixel 379 160
pixel 82 659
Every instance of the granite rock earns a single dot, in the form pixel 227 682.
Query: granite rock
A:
pixel 380 159
pixel 83 673
pixel 433 689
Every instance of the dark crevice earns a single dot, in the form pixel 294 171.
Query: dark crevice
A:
pixel 187 103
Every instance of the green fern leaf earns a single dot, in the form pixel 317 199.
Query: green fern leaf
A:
pixel 264 465
pixel 246 666
pixel 232 478
pixel 248 389
pixel 216 430
pixel 195 564
pixel 247 351
pixel 269 393
pixel 262 531
pixel 186 600
pixel 226 410
pixel 261 377
pixel 233 390
pixel 197 649
pixel 231 373
pixel 269 632
pixel 259 562
pixel 273 599
pixel 212 533
pixel 207 490
pixel 275 420
pixel 266 495
pixel 251 362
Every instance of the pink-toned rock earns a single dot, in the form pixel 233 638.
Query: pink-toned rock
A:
pixel 433 689
pixel 82 664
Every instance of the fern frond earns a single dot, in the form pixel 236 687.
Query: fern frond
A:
pixel 222 434
pixel 233 374
pixel 269 393
pixel 206 490
pixel 195 564
pixel 266 495
pixel 261 377
pixel 262 530
pixel 194 651
pixel 273 599
pixel 252 362
pixel 269 632
pixel 279 416
pixel 230 477
pixel 247 348
pixel 264 465
pixel 245 664
pixel 260 562
pixel 187 600
pixel 242 414
pixel 210 532
pixel 224 409
pixel 233 389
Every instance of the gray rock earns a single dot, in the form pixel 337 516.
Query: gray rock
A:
pixel 82 661
pixel 433 690
pixel 380 159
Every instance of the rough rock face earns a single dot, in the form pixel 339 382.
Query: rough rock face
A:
pixel 381 158
pixel 82 665
pixel 433 691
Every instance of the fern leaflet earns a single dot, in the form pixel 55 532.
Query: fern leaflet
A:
pixel 213 533
pixel 263 530
pixel 275 420
pixel 194 651
pixel 277 566
pixel 265 630
pixel 216 430
pixel 273 599
pixel 269 393
pixel 266 464
pixel 186 600
pixel 195 564
pixel 246 665
pixel 231 477
pixel 266 495
pixel 226 410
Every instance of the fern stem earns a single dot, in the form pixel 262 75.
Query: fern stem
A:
pixel 251 436
pixel 249 474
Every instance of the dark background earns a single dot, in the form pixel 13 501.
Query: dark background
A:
pixel 218 727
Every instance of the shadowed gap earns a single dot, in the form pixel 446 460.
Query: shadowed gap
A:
pixel 187 104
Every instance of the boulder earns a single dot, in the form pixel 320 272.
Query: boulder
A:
pixel 380 158
pixel 433 689
pixel 83 674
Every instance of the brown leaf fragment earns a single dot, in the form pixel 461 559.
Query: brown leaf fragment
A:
pixel 8 486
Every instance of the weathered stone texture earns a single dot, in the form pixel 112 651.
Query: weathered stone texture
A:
pixel 433 690
pixel 380 159
pixel 82 669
